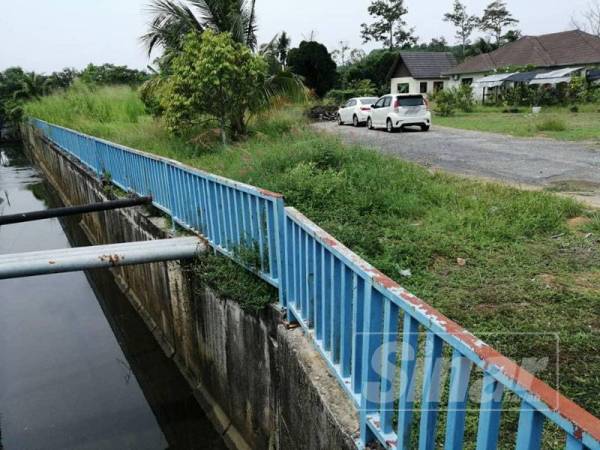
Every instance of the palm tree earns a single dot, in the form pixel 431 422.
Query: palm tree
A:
pixel 31 86
pixel 283 48
pixel 174 19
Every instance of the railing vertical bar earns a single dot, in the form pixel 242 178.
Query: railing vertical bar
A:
pixel 358 295
pixel 573 443
pixel 318 281
pixel 261 231
pixel 271 240
pixel 531 428
pixel 431 391
pixel 237 218
pixel 298 270
pixel 205 222
pixel 335 309
pixel 196 209
pixel 489 414
pixel 346 321
pixel 302 272
pixel 410 343
pixel 457 401
pixel 388 372
pixel 371 364
pixel 212 193
pixel 326 302
pixel 310 280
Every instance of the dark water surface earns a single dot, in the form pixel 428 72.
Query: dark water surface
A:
pixel 78 367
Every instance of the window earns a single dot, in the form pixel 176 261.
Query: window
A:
pixel 438 86
pixel 423 87
pixel 368 101
pixel 403 88
pixel 413 100
pixel 467 81
pixel 387 102
pixel 352 103
pixel 380 103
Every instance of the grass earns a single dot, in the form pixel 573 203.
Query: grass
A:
pixel 555 122
pixel 497 260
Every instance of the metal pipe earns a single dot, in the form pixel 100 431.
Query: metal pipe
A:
pixel 98 257
pixel 74 210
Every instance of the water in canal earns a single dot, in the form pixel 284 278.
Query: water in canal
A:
pixel 78 367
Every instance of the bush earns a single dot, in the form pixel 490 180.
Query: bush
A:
pixel 217 77
pixel 574 109
pixel 464 98
pixel 445 103
pixel 362 88
pixel 551 124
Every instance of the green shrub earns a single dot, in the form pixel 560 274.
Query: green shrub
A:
pixel 445 103
pixel 551 124
pixel 361 88
pixel 464 98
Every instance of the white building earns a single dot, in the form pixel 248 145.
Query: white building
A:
pixel 421 72
pixel 569 51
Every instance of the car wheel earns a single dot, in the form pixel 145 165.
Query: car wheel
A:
pixel 425 127
pixel 389 126
pixel 355 121
pixel 369 124
pixel 340 122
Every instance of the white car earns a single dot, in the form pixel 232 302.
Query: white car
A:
pixel 396 111
pixel 356 111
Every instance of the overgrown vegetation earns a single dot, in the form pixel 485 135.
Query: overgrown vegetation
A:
pixel 554 122
pixel 228 281
pixel 495 259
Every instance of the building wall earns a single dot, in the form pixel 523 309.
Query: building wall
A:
pixel 414 86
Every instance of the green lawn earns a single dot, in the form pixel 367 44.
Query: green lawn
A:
pixel 581 126
pixel 525 266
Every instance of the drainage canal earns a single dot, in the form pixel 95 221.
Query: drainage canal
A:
pixel 78 367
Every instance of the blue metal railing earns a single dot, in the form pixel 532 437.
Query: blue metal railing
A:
pixel 365 325
pixel 238 220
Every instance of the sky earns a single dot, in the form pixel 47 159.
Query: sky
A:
pixel 48 35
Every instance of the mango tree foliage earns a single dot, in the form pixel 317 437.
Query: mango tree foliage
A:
pixel 218 77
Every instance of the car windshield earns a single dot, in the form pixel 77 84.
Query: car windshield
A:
pixel 368 101
pixel 416 100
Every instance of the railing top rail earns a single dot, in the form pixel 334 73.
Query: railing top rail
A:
pixel 567 414
pixel 223 180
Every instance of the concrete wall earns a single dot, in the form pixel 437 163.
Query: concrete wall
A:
pixel 262 385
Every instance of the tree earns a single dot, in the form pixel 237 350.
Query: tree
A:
pixel 481 46
pixel 174 20
pixel 464 23
pixel 435 45
pixel 339 55
pixel 107 74
pixel 589 20
pixel 495 18
pixel 217 76
pixel 283 48
pixel 312 61
pixel 390 28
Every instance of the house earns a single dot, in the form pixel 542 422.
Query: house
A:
pixel 420 72
pixel 572 51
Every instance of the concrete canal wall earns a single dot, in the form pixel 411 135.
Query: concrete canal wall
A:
pixel 263 386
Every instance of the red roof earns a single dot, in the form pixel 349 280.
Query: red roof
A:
pixel 549 50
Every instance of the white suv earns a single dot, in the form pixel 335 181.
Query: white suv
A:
pixel 356 111
pixel 396 111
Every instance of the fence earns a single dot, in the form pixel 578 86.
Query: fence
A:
pixel 365 325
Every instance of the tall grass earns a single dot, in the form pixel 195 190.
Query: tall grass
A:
pixel 83 104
